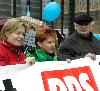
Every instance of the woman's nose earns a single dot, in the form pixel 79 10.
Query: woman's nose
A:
pixel 53 44
pixel 21 36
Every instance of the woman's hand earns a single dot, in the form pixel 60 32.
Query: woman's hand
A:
pixel 30 60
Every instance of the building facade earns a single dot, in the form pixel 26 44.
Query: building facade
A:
pixel 35 8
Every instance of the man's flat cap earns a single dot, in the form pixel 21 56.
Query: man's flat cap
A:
pixel 83 19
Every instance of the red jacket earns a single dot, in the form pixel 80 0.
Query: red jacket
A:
pixel 10 54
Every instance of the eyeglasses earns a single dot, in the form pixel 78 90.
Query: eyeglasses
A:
pixel 84 23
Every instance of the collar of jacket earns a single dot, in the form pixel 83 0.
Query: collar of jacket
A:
pixel 44 56
pixel 89 38
pixel 10 46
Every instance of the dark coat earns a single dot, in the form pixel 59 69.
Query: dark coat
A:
pixel 77 46
pixel 10 55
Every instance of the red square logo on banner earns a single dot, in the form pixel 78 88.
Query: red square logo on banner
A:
pixel 74 79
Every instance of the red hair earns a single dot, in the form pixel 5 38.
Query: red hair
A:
pixel 43 33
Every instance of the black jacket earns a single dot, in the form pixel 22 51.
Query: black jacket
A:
pixel 77 46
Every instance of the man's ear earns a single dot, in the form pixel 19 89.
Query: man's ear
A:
pixel 92 23
pixel 39 44
pixel 92 26
pixel 75 26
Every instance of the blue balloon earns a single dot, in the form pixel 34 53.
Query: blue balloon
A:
pixel 51 11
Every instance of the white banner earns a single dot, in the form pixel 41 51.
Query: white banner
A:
pixel 79 75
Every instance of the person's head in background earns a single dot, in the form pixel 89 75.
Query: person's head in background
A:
pixel 84 24
pixel 45 39
pixel 2 21
pixel 14 31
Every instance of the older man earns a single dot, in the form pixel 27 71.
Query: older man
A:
pixel 81 43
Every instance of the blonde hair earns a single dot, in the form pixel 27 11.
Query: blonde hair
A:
pixel 10 26
pixel 14 23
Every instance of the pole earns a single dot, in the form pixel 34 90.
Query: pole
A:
pixel 88 6
pixel 71 28
pixel 14 8
pixel 62 16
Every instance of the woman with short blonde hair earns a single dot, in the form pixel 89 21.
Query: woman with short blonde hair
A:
pixel 13 35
